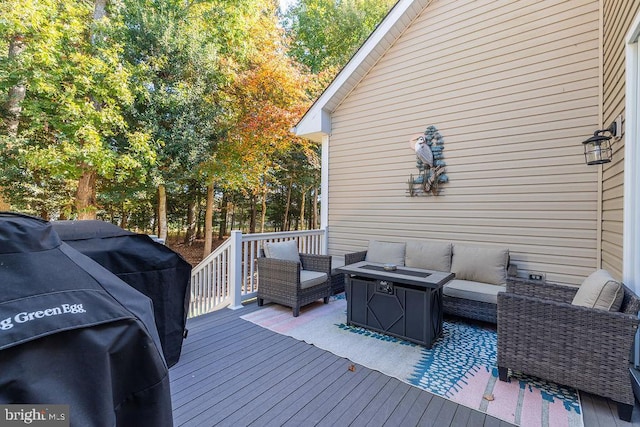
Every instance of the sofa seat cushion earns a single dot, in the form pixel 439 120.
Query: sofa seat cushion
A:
pixel 475 291
pixel 480 264
pixel 428 255
pixel 309 278
pixel 287 250
pixel 385 252
pixel 600 291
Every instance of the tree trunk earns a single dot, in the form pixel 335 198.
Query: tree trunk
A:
pixel 190 235
pixel 233 215
pixel 253 215
pixel 263 217
pixel 99 9
pixel 287 226
pixel 13 106
pixel 162 212
pixel 123 218
pixel 222 231
pixel 208 221
pixel 86 192
pixel 302 206
pixel 86 195
pixel 199 221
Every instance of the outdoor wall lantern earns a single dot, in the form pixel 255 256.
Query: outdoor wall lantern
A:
pixel 597 149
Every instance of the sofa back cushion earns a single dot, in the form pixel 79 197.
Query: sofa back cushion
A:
pixel 600 291
pixel 428 255
pixel 385 252
pixel 480 264
pixel 287 250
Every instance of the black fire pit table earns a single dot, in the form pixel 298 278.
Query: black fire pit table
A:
pixel 400 301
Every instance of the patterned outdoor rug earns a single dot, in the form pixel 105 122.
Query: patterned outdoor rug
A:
pixel 461 366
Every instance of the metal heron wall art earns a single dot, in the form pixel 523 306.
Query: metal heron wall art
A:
pixel 431 166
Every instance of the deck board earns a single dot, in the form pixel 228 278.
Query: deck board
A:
pixel 234 373
pixel 368 415
pixel 329 398
pixel 388 406
pixel 431 412
pixel 422 402
pixel 461 416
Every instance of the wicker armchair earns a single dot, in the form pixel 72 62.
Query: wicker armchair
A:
pixel 540 333
pixel 279 281
pixel 354 257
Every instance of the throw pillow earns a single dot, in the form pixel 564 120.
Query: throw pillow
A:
pixel 480 264
pixel 600 291
pixel 385 252
pixel 429 255
pixel 282 250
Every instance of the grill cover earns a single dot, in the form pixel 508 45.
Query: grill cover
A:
pixel 150 267
pixel 72 333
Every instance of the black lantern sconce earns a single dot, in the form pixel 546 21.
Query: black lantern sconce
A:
pixel 597 149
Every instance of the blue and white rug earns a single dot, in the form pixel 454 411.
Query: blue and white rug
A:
pixel 461 366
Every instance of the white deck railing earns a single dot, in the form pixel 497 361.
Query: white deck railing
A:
pixel 229 275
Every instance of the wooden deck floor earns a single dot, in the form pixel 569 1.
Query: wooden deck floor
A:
pixel 234 373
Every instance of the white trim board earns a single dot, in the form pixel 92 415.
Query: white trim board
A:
pixel 631 239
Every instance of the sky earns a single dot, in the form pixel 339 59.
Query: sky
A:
pixel 284 4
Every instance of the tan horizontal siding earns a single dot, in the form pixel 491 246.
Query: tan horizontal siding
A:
pixel 618 17
pixel 513 89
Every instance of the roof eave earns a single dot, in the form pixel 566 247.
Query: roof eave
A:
pixel 314 125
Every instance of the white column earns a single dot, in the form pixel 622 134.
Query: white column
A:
pixel 235 273
pixel 324 184
pixel 631 232
pixel 631 251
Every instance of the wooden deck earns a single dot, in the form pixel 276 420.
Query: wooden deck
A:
pixel 235 373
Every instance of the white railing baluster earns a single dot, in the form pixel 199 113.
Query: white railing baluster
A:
pixel 251 266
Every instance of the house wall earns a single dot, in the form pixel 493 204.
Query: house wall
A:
pixel 617 19
pixel 513 87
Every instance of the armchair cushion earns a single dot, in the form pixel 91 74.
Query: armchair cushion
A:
pixel 287 250
pixel 385 252
pixel 429 255
pixel 480 264
pixel 600 291
pixel 310 278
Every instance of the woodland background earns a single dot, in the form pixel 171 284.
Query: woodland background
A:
pixel 169 115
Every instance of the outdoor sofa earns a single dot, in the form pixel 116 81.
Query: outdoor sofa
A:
pixel 480 272
pixel 578 337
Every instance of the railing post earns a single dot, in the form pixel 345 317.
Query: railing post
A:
pixel 325 240
pixel 235 275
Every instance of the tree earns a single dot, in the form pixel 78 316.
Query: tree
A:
pixel 324 34
pixel 271 98
pixel 188 54
pixel 71 133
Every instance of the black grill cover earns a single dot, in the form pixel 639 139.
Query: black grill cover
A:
pixel 150 267
pixel 72 333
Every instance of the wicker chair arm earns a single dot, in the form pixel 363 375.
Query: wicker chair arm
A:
pixel 556 327
pixel 543 290
pixel 354 257
pixel 278 272
pixel 320 263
